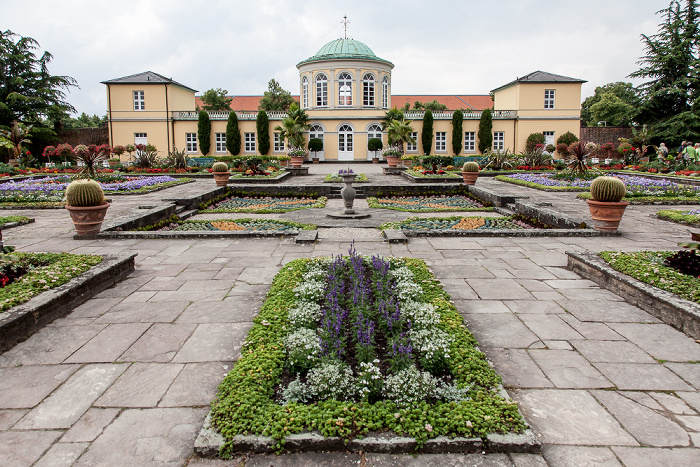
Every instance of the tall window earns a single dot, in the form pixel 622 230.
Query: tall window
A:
pixel 549 98
pixel 499 141
pixel 279 142
pixel 385 92
pixel 413 147
pixel 321 91
pixel 305 93
pixel 368 90
pixel 374 131
pixel 344 89
pixel 250 142
pixel 345 138
pixel 139 101
pixel 220 142
pixel 469 141
pixel 191 142
pixel 316 131
pixel 440 141
pixel 548 138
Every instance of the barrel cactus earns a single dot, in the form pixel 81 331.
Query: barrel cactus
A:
pixel 84 192
pixel 219 167
pixel 470 167
pixel 608 189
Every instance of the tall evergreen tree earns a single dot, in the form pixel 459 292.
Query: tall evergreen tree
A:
pixel 204 132
pixel 426 136
pixel 457 120
pixel 275 98
pixel 262 125
pixel 233 134
pixel 485 131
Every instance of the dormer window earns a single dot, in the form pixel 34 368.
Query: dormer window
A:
pixel 139 101
pixel 344 89
pixel 549 98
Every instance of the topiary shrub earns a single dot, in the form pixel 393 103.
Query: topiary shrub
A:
pixel 485 131
pixel 457 135
pixel 533 140
pixel 219 167
pixel 262 126
pixel 567 138
pixel 233 134
pixel 608 189
pixel 470 166
pixel 374 145
pixel 84 192
pixel 204 132
pixel 315 145
pixel 426 137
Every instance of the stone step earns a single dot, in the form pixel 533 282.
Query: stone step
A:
pixel 187 214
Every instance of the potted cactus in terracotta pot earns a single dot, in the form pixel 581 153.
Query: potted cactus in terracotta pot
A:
pixel 221 173
pixel 470 172
pixel 607 206
pixel 85 201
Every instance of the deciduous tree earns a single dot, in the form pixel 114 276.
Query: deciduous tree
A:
pixel 275 98
pixel 216 99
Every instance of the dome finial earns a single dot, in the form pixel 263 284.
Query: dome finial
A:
pixel 345 23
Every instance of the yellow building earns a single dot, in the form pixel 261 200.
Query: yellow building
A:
pixel 346 90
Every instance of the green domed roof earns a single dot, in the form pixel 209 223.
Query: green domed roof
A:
pixel 345 49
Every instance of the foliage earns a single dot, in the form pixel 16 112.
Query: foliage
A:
pixel 389 115
pixel 499 160
pixel 614 103
pixel 315 145
pixel 433 106
pixel 91 157
pixel 4 220
pixel 682 217
pixel 426 137
pixel 146 156
pixel 578 152
pixel 686 262
pixel 294 125
pixel 567 138
pixel 84 121
pixel 233 134
pixel 684 126
pixel 374 145
pixel 399 132
pixel 537 157
pixel 485 134
pixel 436 162
pixel 457 135
pixel 15 139
pixel 262 126
pixel 204 132
pixel 533 140
pixel 177 159
pixel 275 98
pixel 216 99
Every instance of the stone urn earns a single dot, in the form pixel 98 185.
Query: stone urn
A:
pixel 348 192
pixel 88 219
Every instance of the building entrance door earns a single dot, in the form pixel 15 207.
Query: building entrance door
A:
pixel 345 144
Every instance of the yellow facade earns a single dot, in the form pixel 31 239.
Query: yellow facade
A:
pixel 345 109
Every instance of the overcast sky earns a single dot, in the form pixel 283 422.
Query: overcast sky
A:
pixel 437 47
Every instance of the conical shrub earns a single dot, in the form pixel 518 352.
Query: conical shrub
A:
pixel 84 192
pixel 608 189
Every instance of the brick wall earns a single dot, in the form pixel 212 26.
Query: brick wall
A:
pixel 605 134
pixel 85 136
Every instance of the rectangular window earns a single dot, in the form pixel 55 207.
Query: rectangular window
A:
pixel 321 92
pixel 139 101
pixel 440 141
pixel 368 93
pixel 191 142
pixel 250 142
pixel 413 147
pixel 499 141
pixel 220 142
pixel 279 143
pixel 548 138
pixel 549 98
pixel 469 141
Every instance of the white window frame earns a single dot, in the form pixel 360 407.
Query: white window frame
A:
pixel 305 92
pixel 344 90
pixel 413 147
pixel 191 143
pixel 385 92
pixel 440 141
pixel 279 142
pixel 469 141
pixel 321 90
pixel 139 101
pixel 346 138
pixel 549 98
pixel 249 139
pixel 368 90
pixel 499 140
pixel 220 139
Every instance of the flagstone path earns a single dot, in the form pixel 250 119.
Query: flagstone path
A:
pixel 127 378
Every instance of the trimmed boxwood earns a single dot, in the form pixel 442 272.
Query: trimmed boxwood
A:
pixel 245 403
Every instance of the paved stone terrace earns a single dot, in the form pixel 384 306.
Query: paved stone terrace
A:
pixel 127 378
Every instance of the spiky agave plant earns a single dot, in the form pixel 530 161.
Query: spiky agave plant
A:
pixel 578 154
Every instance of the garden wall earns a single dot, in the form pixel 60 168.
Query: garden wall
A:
pixel 605 134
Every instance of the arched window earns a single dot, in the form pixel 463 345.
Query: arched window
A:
pixel 305 93
pixel 345 139
pixel 316 131
pixel 385 92
pixel 344 89
pixel 321 90
pixel 374 131
pixel 368 90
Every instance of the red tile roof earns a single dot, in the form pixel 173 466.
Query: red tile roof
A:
pixel 453 102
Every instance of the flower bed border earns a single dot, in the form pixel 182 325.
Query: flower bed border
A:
pixel 537 186
pixel 21 321
pixel 657 200
pixel 11 225
pixel 373 203
pixel 682 314
pixel 677 217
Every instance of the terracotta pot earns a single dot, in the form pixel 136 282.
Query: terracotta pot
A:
pixel 375 160
pixel 297 161
pixel 221 178
pixel 393 161
pixel 470 177
pixel 606 215
pixel 88 219
pixel 316 160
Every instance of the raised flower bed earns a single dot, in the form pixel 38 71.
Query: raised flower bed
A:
pixel 428 203
pixel 460 223
pixel 355 346
pixel 228 225
pixel 7 222
pixel 688 217
pixel 263 204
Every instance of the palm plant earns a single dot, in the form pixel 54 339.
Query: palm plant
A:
pixel 399 132
pixel 15 138
pixel 391 115
pixel 294 125
pixel 579 152
pixel 90 156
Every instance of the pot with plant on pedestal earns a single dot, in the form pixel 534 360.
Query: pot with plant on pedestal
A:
pixel 85 201
pixel 392 154
pixel 606 206
pixel 470 172
pixel 221 173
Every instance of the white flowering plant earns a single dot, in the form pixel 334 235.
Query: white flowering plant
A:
pixel 303 348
